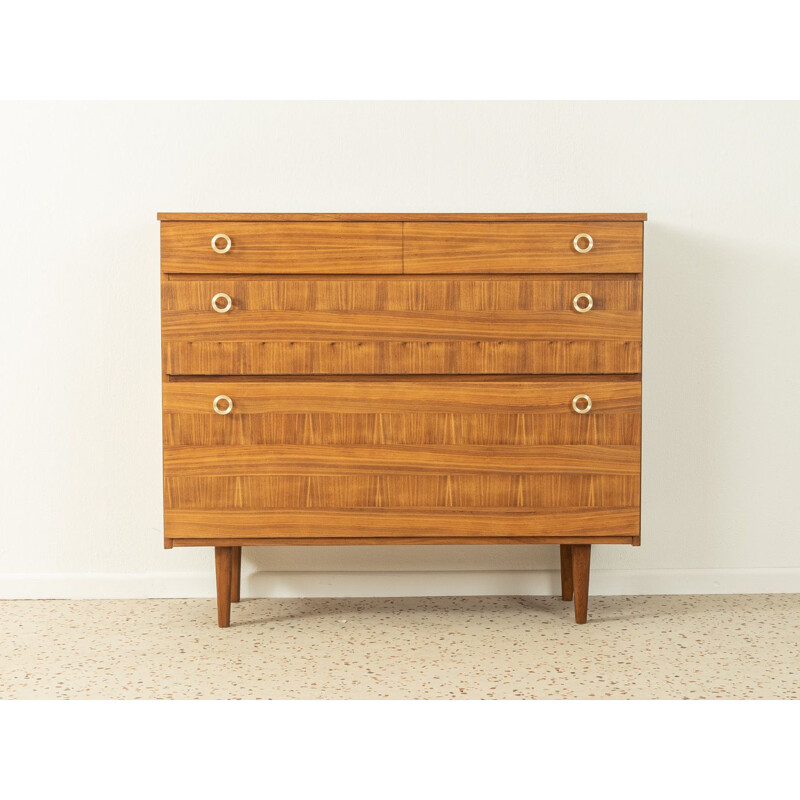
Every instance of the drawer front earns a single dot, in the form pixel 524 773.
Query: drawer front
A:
pixel 465 247
pixel 340 458
pixel 424 325
pixel 281 247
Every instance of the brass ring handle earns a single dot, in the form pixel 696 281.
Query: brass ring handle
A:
pixel 225 238
pixel 589 243
pixel 577 399
pixel 226 399
pixel 228 302
pixel 576 302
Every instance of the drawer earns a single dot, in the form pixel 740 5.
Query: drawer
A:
pixel 467 247
pixel 281 247
pixel 314 458
pixel 402 325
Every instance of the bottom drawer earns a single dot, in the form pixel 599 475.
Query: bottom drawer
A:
pixel 411 459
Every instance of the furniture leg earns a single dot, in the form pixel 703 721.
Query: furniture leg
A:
pixel 566 572
pixel 223 559
pixel 581 555
pixel 236 574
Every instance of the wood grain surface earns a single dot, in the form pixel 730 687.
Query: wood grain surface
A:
pixel 312 459
pixel 338 541
pixel 353 491
pixel 400 446
pixel 349 357
pixel 283 247
pixel 410 293
pixel 552 396
pixel 387 524
pixel 401 326
pixel 437 247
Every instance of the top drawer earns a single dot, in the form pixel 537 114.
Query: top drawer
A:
pixel 574 247
pixel 337 247
pixel 282 247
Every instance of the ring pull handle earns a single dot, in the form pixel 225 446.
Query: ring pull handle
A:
pixel 227 302
pixel 226 243
pixel 223 404
pixel 586 402
pixel 576 302
pixel 576 243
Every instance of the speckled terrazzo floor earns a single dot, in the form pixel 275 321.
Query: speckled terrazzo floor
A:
pixel 712 646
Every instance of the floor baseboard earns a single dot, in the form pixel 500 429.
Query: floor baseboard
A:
pixel 398 584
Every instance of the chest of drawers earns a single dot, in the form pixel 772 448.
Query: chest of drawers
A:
pixel 401 379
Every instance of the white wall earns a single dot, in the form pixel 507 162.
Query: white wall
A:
pixel 80 185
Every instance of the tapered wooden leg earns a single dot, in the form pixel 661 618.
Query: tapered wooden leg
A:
pixel 566 572
pixel 223 559
pixel 581 555
pixel 236 574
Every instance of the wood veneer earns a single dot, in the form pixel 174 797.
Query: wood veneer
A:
pixel 284 247
pixel 401 326
pixel 510 247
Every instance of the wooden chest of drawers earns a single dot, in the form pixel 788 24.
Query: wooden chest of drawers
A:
pixel 401 379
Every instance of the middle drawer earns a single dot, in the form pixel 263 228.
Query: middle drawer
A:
pixel 385 325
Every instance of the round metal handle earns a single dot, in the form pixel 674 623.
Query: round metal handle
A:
pixel 575 302
pixel 582 398
pixel 223 398
pixel 589 243
pixel 228 302
pixel 225 238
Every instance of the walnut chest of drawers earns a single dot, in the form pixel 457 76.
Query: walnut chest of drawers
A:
pixel 333 379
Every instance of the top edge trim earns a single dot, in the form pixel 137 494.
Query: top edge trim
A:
pixel 537 217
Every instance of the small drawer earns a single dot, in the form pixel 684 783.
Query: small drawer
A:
pixel 281 247
pixel 475 247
